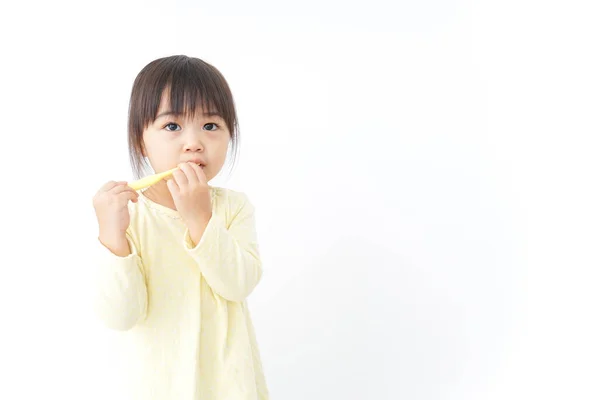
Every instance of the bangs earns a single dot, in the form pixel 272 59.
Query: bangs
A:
pixel 187 100
pixel 190 87
pixel 190 90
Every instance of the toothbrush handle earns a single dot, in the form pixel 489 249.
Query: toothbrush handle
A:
pixel 150 180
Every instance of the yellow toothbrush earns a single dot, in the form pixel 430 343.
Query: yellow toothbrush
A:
pixel 150 180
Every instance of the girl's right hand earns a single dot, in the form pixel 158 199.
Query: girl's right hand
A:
pixel 111 206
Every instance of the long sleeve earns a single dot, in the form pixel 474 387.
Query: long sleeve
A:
pixel 120 298
pixel 228 257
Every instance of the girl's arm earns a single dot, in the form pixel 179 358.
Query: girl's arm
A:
pixel 120 298
pixel 228 256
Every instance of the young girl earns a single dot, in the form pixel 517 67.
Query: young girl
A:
pixel 181 257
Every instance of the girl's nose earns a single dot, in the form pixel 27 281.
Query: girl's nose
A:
pixel 193 143
pixel 194 147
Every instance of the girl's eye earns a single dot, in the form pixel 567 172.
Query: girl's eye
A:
pixel 171 124
pixel 216 126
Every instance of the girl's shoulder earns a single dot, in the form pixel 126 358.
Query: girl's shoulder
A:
pixel 230 198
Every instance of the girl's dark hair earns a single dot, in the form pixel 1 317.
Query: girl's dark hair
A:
pixel 191 83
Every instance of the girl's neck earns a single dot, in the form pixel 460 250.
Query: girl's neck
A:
pixel 159 194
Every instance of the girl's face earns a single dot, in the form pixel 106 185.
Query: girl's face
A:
pixel 173 139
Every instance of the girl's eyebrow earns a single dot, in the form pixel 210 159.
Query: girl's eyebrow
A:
pixel 167 113
pixel 208 114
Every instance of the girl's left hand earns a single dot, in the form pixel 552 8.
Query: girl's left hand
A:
pixel 191 195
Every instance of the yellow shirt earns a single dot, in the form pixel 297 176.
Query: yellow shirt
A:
pixel 182 310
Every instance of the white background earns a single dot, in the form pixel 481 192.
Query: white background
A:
pixel 424 174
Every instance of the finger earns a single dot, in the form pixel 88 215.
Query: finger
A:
pixel 173 188
pixel 189 172
pixel 180 177
pixel 198 172
pixel 127 195
pixel 108 186
pixel 121 188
